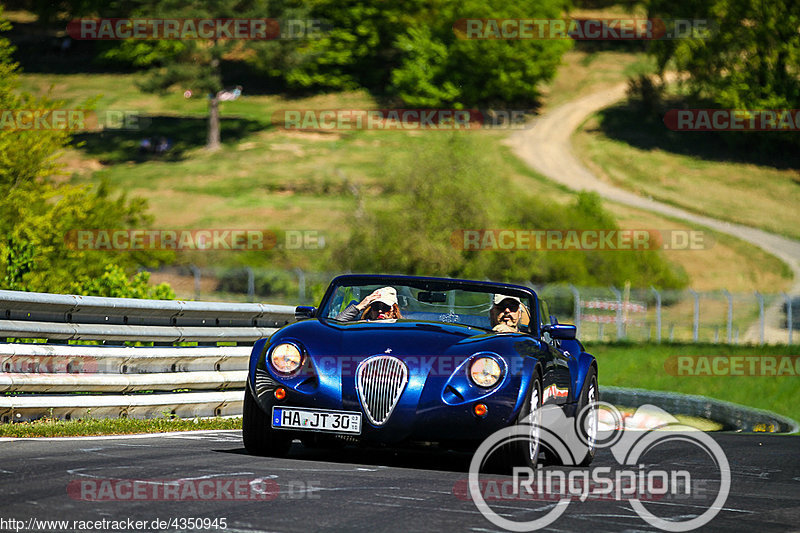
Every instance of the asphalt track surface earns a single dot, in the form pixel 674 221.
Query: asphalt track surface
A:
pixel 354 489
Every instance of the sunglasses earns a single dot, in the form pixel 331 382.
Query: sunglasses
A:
pixel 511 305
pixel 381 307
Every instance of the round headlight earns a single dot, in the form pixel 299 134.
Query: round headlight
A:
pixel 286 358
pixel 485 372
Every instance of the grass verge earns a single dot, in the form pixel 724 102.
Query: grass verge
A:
pixel 265 176
pixel 50 427
pixel 646 366
pixel 673 167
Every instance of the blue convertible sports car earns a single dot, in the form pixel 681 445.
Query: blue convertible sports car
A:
pixel 399 359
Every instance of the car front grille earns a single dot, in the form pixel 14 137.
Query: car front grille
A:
pixel 380 381
pixel 264 382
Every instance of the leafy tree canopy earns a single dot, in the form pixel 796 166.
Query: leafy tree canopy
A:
pixel 749 58
pixel 38 209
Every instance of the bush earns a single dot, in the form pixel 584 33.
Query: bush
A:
pixel 115 283
pixel 446 186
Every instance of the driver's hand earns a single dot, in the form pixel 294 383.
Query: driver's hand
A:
pixel 368 299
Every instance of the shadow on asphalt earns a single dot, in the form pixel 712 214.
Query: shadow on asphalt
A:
pixel 418 459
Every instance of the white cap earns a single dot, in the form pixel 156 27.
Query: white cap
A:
pixel 387 295
pixel 498 298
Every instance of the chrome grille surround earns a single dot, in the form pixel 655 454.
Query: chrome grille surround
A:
pixel 380 380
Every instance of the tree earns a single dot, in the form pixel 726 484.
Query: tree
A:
pixel 190 63
pixel 37 212
pixel 410 50
pixel 439 67
pixel 114 283
pixel 749 58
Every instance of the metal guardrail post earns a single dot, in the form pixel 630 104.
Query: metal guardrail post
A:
pixel 576 308
pixel 789 325
pixel 658 314
pixel 251 284
pixel 196 273
pixel 729 296
pixel 696 319
pixel 760 299
pixel 620 330
pixel 301 284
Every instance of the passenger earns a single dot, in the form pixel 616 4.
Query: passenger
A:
pixel 381 304
pixel 505 313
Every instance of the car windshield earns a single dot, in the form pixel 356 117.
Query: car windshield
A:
pixel 453 302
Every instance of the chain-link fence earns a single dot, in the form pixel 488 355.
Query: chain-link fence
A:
pixel 601 313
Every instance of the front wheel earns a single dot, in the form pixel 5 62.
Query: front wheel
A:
pixel 586 418
pixel 258 436
pixel 525 451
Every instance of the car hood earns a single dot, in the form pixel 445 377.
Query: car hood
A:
pixel 399 338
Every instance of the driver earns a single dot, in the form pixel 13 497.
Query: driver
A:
pixel 381 304
pixel 505 313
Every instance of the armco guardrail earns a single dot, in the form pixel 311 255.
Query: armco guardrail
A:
pixel 733 417
pixel 41 379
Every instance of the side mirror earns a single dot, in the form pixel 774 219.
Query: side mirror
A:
pixel 563 332
pixel 302 312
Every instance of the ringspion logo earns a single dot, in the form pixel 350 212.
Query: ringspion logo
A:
pixel 634 479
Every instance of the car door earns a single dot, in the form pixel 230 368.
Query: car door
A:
pixel 556 389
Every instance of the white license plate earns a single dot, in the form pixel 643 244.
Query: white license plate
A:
pixel 316 420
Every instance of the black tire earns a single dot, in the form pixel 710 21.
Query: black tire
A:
pixel 586 417
pixel 258 436
pixel 524 452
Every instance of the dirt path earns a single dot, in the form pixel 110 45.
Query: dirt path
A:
pixel 546 148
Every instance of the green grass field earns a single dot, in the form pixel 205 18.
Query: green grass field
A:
pixel 113 426
pixel 648 366
pixel 266 176
pixel 673 167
